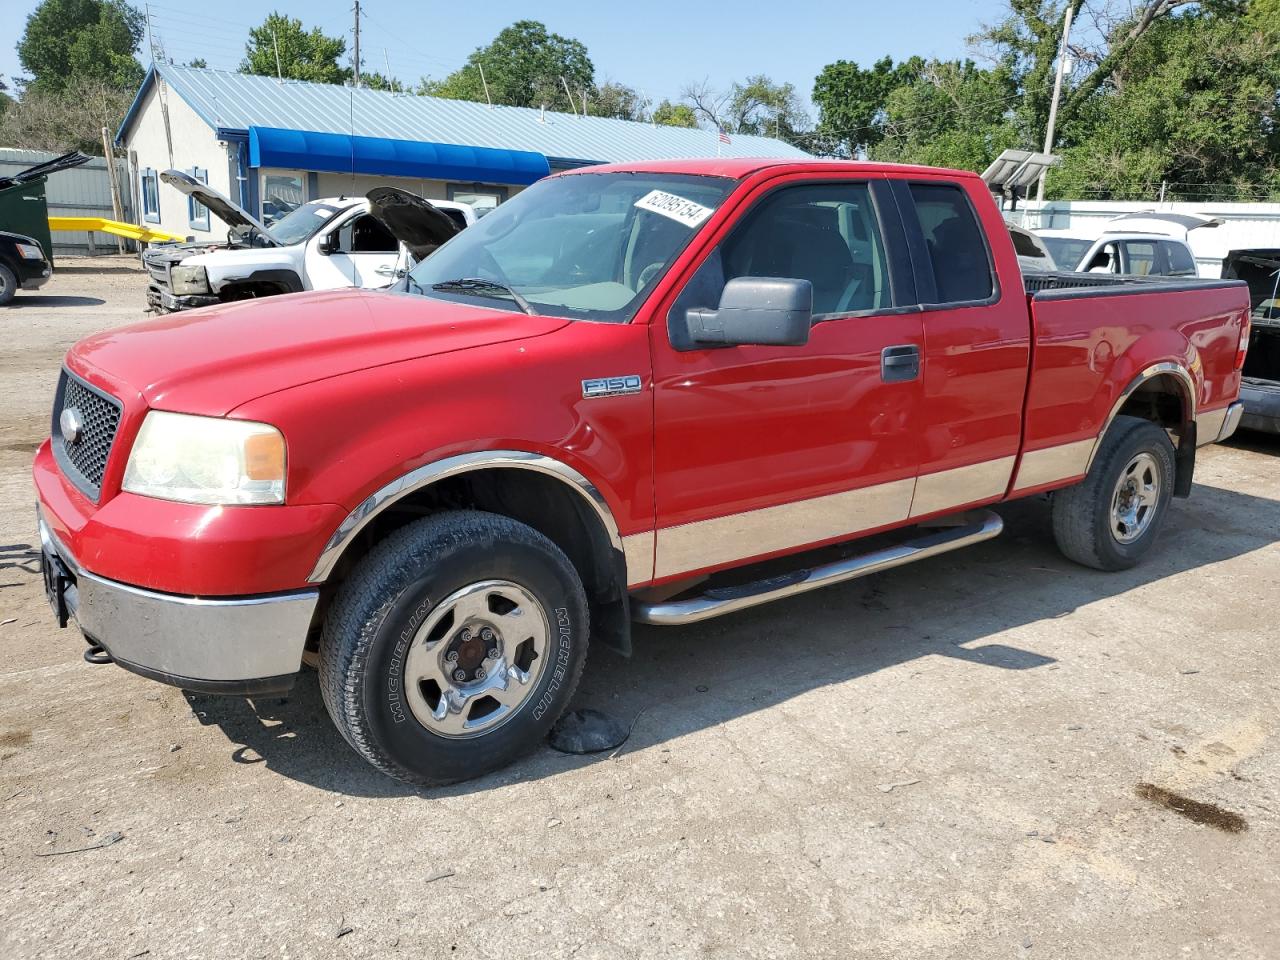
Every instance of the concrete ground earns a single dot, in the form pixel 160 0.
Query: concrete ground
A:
pixel 943 761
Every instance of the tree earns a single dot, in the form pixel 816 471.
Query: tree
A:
pixel 851 101
pixel 1194 107
pixel 89 40
pixel 199 62
pixel 754 106
pixel 303 55
pixel 524 66
pixel 617 100
pixel 68 119
pixel 675 115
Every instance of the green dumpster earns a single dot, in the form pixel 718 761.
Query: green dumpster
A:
pixel 24 209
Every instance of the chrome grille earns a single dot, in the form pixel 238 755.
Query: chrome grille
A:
pixel 84 460
pixel 159 273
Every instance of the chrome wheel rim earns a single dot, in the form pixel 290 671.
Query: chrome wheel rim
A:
pixel 476 659
pixel 1134 502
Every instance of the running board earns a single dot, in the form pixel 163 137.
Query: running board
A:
pixel 718 602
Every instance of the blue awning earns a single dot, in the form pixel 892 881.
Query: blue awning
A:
pixel 341 153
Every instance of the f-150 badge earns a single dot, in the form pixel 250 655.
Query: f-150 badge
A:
pixel 610 386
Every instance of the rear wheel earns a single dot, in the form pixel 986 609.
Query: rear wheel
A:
pixel 453 647
pixel 8 285
pixel 1110 520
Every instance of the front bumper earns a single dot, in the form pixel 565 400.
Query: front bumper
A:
pixel 245 646
pixel 36 279
pixel 1261 400
pixel 158 299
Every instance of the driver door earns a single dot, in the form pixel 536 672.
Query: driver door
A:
pixel 362 253
pixel 761 450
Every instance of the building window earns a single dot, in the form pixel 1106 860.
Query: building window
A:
pixel 281 193
pixel 151 195
pixel 481 199
pixel 197 212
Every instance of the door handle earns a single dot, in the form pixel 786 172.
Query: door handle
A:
pixel 386 271
pixel 899 364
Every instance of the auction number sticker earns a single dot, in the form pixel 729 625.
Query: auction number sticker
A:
pixel 677 208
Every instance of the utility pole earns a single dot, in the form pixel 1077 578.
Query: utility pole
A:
pixel 357 50
pixel 1057 94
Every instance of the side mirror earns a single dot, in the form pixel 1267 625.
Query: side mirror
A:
pixel 756 311
pixel 328 244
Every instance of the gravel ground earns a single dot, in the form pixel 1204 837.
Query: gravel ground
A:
pixel 941 761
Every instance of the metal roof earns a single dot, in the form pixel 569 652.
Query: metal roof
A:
pixel 231 101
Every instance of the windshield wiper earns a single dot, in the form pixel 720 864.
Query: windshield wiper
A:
pixel 482 287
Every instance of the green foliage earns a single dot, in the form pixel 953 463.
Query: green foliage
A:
pixel 1194 105
pixel 71 118
pixel 524 66
pixel 851 101
pixel 376 81
pixel 617 100
pixel 198 62
pixel 82 40
pixel 675 114
pixel 756 105
pixel 304 55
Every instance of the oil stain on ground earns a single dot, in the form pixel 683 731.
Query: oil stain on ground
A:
pixel 1194 810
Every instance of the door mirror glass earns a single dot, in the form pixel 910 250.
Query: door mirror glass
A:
pixel 758 311
pixel 328 244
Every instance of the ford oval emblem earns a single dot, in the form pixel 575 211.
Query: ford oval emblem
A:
pixel 72 425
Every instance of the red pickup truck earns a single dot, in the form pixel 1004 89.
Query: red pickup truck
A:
pixel 613 399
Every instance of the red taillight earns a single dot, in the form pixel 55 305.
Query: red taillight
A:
pixel 1243 348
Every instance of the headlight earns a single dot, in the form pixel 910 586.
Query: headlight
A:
pixel 206 460
pixel 30 251
pixel 187 280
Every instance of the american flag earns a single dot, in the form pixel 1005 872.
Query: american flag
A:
pixel 724 137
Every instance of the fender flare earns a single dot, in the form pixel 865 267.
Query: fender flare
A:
pixel 431 473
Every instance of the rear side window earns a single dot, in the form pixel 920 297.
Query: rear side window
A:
pixel 957 248
pixel 1142 257
pixel 1181 263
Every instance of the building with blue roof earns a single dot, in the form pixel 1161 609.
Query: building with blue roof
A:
pixel 271 145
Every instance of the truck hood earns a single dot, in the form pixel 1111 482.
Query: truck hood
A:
pixel 222 207
pixel 412 220
pixel 212 360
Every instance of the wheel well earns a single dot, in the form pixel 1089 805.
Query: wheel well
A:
pixel 542 502
pixel 1163 400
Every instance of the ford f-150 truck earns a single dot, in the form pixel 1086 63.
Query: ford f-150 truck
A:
pixel 611 400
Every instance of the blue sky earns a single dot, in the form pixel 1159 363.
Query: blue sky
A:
pixel 656 46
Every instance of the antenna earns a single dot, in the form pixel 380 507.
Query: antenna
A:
pixel 572 103
pixel 584 102
pixel 151 37
pixel 485 83
pixel 275 42
pixel 357 50
pixel 387 60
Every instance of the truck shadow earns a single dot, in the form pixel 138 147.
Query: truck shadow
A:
pixel 684 679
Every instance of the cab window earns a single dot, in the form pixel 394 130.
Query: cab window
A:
pixel 824 233
pixel 365 234
pixel 956 244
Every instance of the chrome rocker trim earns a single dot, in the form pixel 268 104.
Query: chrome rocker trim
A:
pixel 431 473
pixel 983 526
pixel 211 645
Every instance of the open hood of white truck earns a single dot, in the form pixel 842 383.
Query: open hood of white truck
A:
pixel 222 207
pixel 411 219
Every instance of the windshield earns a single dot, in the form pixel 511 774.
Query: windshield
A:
pixel 1067 251
pixel 588 246
pixel 300 223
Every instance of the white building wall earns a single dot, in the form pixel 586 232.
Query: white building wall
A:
pixel 193 145
pixel 1245 224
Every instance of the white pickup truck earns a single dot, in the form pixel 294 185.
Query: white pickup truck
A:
pixel 1134 244
pixel 368 241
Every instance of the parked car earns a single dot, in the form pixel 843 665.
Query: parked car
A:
pixel 610 400
pixel 1260 389
pixel 22 265
pixel 1135 244
pixel 321 245
pixel 1032 253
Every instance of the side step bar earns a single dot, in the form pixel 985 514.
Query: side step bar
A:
pixel 718 602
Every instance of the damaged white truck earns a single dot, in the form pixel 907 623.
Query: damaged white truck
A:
pixel 367 242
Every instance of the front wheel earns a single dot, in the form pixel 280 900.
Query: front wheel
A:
pixel 453 647
pixel 1110 520
pixel 8 285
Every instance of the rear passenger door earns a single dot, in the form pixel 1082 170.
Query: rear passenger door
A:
pixel 977 341
pixel 762 450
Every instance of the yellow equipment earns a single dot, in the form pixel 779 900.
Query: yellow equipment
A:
pixel 130 231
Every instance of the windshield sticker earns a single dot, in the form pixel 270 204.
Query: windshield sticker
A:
pixel 677 208
pixel 324 213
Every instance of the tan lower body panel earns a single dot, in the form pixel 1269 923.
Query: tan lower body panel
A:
pixel 961 485
pixel 1052 464
pixel 739 536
